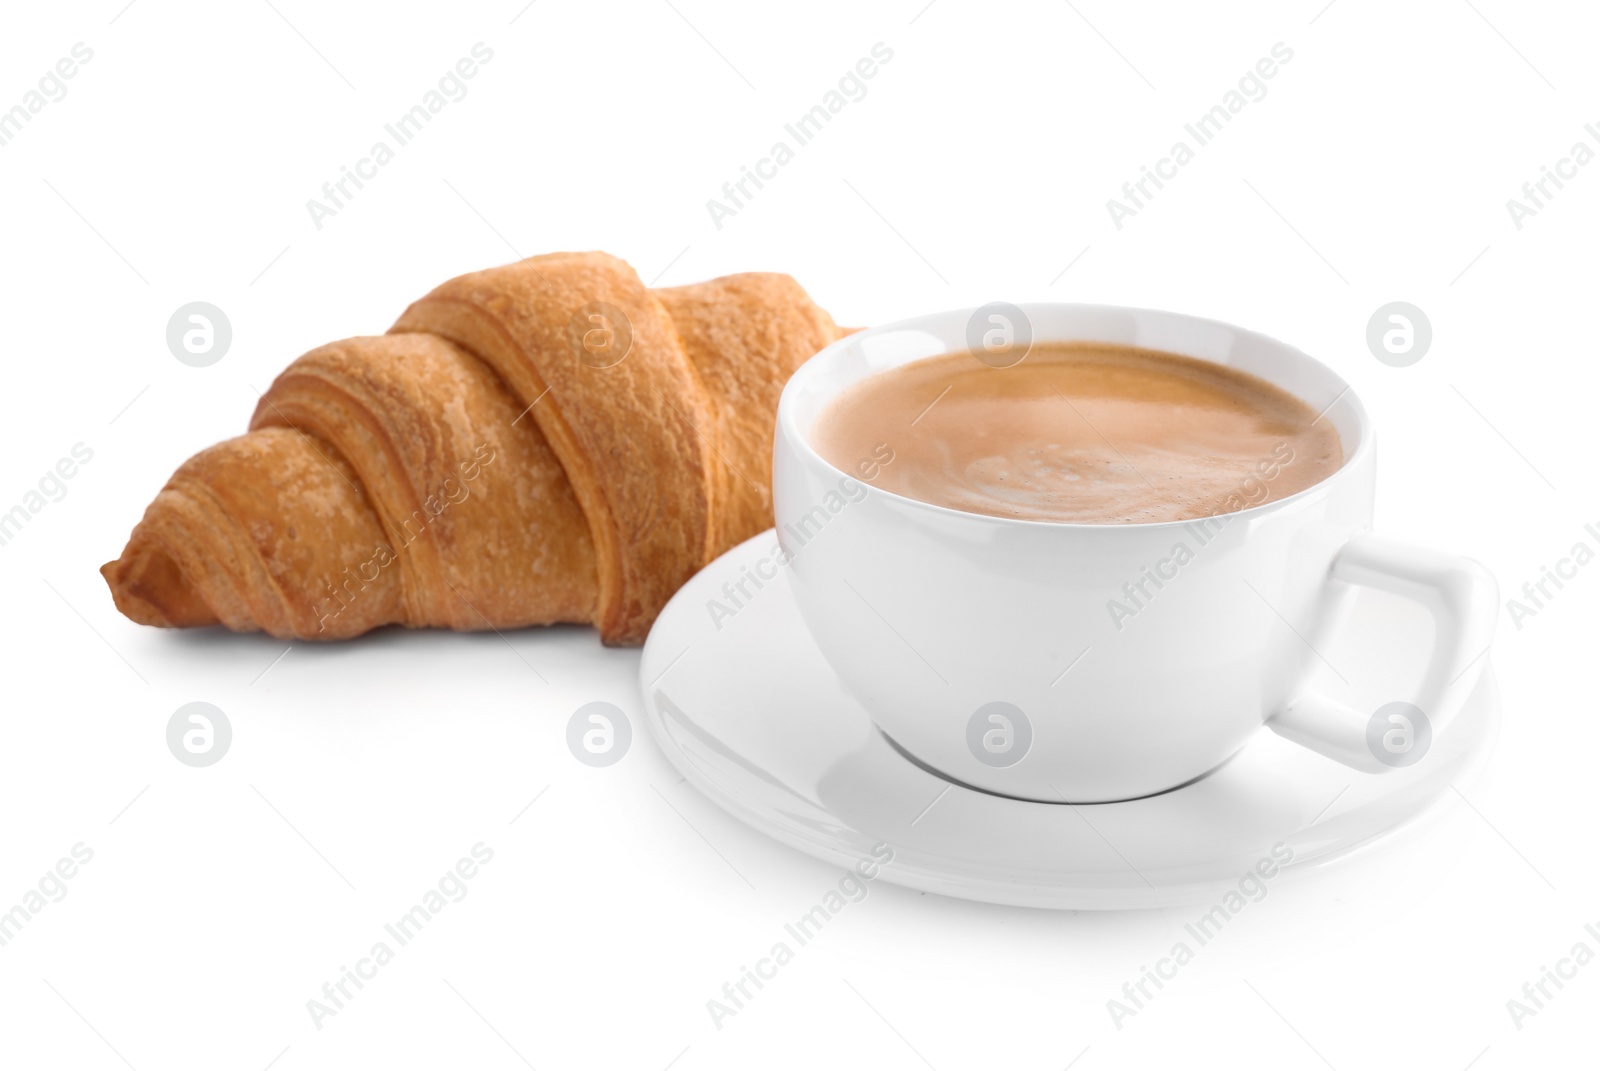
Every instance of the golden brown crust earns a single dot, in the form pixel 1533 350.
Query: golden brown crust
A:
pixel 475 506
pixel 626 432
pixel 490 463
pixel 259 530
pixel 745 334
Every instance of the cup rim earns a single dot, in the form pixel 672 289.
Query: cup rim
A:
pixel 801 382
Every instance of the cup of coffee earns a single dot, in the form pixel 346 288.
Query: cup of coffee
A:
pixel 1078 553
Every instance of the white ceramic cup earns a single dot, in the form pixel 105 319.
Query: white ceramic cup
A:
pixel 988 649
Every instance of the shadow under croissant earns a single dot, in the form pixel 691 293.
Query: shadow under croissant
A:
pixel 533 655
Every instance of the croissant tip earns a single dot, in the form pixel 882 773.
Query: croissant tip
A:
pixel 134 609
pixel 149 588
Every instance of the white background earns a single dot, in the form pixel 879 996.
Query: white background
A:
pixel 977 168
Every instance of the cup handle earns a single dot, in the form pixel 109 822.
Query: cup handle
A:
pixel 1464 600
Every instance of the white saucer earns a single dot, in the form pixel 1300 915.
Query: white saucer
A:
pixel 752 715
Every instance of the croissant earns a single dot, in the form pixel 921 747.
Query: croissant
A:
pixel 548 441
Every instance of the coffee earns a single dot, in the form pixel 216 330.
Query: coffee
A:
pixel 1088 433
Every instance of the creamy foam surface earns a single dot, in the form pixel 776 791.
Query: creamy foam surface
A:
pixel 1087 433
